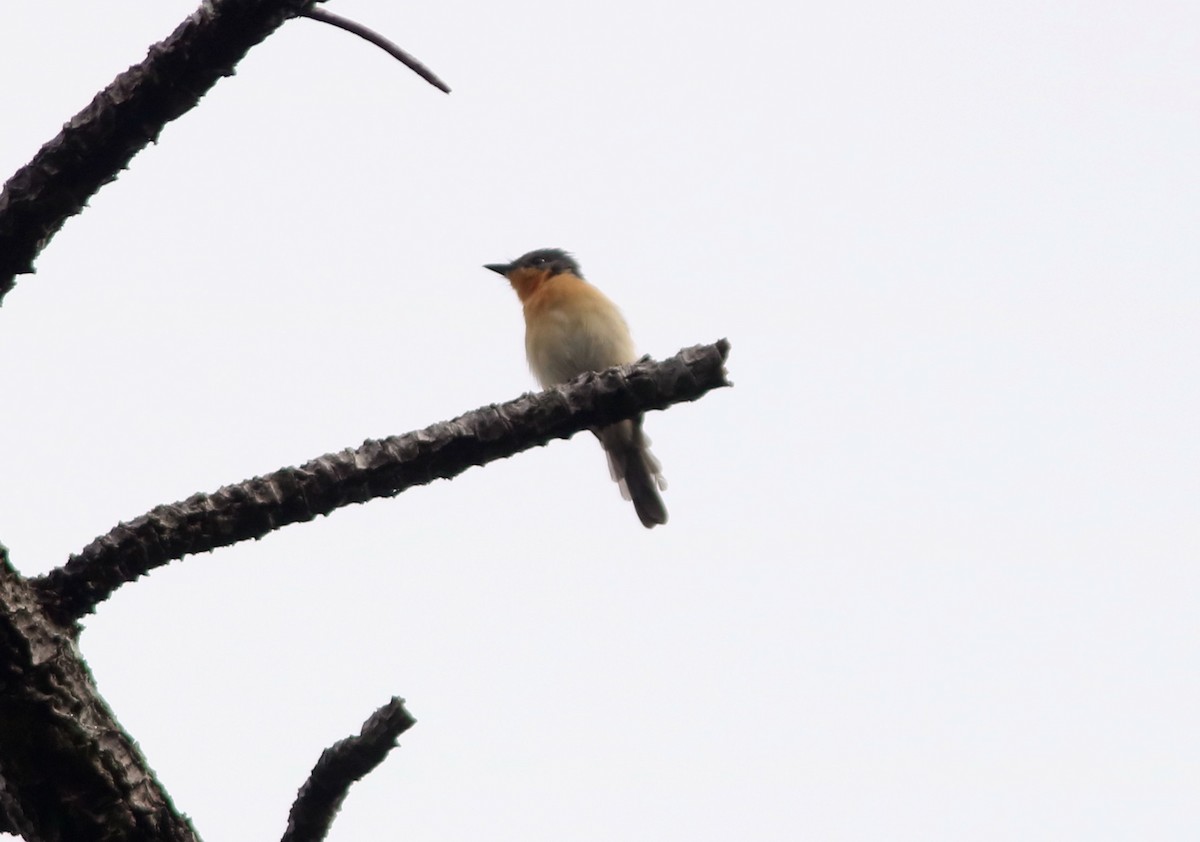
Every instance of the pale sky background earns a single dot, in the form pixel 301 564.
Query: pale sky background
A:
pixel 933 565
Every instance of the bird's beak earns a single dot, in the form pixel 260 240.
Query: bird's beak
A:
pixel 499 268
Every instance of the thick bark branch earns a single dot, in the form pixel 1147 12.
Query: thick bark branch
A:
pixel 121 120
pixel 254 507
pixel 341 765
pixel 68 771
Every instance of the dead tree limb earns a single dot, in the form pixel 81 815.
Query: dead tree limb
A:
pixel 100 141
pixel 383 468
pixel 67 769
pixel 340 766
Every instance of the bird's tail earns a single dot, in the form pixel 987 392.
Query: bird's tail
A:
pixel 635 469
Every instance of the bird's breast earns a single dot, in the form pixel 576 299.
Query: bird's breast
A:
pixel 573 328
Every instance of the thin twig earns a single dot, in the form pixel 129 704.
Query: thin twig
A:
pixel 392 49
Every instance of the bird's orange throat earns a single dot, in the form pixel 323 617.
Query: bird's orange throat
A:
pixel 527 281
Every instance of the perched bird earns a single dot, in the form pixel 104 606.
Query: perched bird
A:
pixel 570 328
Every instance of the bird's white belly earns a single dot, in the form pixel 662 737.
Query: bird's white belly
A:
pixel 566 345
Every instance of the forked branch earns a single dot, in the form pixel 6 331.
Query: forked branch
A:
pixel 70 772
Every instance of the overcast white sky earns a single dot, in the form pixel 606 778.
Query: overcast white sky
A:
pixel 933 565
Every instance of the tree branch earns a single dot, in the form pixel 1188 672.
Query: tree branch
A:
pixel 67 769
pixel 370 35
pixel 341 765
pixel 99 141
pixel 254 507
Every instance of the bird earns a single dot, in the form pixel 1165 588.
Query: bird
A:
pixel 571 328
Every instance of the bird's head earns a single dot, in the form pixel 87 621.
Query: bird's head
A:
pixel 529 271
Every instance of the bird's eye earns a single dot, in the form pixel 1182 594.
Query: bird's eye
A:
pixel 539 261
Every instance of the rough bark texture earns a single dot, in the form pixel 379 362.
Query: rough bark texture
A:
pixel 68 772
pixel 254 507
pixel 340 766
pixel 121 120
